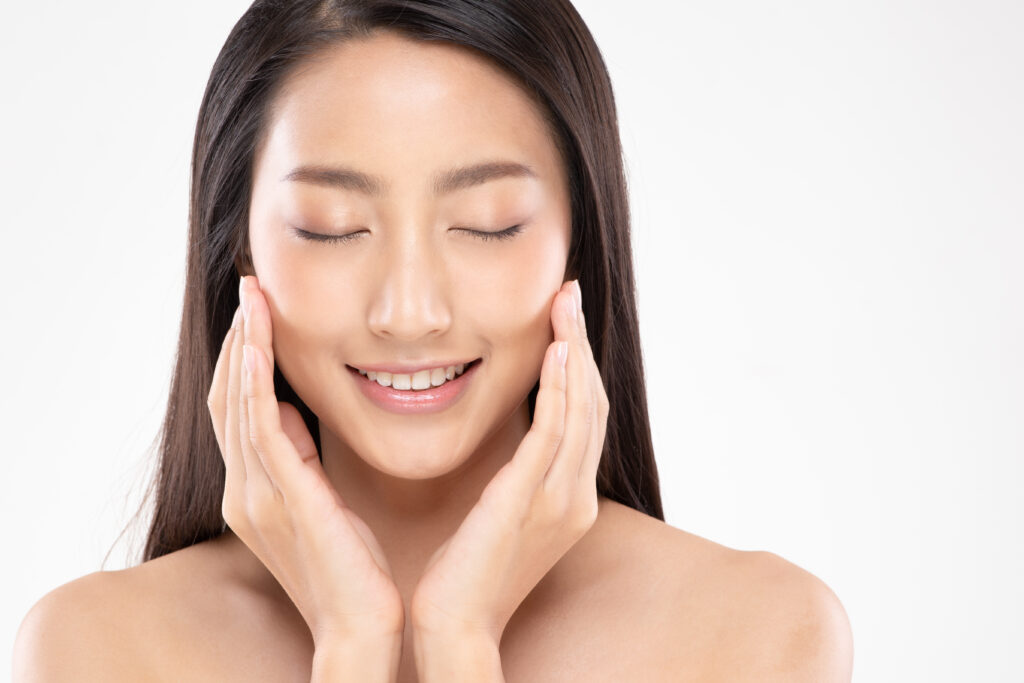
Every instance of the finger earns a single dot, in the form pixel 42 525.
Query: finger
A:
pixel 564 470
pixel 595 439
pixel 539 446
pixel 215 402
pixel 592 460
pixel 288 466
pixel 255 468
pixel 595 444
pixel 232 446
pixel 258 330
pixel 581 322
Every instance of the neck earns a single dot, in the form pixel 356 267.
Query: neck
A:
pixel 412 517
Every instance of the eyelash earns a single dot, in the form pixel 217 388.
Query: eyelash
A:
pixel 506 234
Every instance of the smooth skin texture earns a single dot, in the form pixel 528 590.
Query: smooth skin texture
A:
pixel 414 282
pixel 279 501
pixel 632 599
pixel 537 506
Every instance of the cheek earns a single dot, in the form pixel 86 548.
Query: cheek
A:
pixel 300 284
pixel 305 317
pixel 505 288
pixel 517 281
pixel 511 302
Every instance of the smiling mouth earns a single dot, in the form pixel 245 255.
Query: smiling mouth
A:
pixel 411 377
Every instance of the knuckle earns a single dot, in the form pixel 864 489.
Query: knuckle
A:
pixel 232 514
pixel 581 339
pixel 555 507
pixel 586 511
pixel 589 407
pixel 555 434
pixel 259 505
pixel 257 437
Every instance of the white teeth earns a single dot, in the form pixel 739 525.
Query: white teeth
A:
pixel 421 380
pixel 416 381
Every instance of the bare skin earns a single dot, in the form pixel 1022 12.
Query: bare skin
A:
pixel 633 599
pixel 416 283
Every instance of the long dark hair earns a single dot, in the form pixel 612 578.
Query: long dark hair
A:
pixel 545 45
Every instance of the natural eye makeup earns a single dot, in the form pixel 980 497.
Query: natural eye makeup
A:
pixel 506 234
pixel 320 237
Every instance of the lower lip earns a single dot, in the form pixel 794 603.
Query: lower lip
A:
pixel 405 402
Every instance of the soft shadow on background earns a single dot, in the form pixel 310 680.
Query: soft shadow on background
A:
pixel 828 227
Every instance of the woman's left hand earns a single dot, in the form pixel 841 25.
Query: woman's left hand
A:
pixel 535 508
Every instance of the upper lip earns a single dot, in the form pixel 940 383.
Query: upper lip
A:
pixel 409 368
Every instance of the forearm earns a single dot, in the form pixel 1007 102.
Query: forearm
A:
pixel 450 658
pixel 339 661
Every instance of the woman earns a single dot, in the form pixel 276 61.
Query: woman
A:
pixel 425 451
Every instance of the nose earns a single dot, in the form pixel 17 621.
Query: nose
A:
pixel 412 298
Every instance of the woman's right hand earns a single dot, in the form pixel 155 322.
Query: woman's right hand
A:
pixel 278 500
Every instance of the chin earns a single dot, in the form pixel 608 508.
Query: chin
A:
pixel 414 463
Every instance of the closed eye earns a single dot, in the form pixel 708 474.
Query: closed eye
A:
pixel 320 237
pixel 506 234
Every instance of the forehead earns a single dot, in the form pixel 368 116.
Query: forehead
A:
pixel 399 109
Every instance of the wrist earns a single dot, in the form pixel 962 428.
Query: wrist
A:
pixel 374 660
pixel 456 657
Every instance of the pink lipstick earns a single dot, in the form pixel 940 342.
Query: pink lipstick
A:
pixel 411 401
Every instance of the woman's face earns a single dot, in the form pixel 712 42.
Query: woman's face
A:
pixel 410 287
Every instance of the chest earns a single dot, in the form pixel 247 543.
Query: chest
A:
pixel 613 633
pixel 618 630
pixel 560 646
pixel 618 611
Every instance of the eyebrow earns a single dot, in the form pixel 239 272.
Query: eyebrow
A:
pixel 346 178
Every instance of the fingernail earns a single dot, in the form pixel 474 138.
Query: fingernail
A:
pixel 578 295
pixel 247 352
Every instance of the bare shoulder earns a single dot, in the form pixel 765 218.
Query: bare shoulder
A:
pixel 793 628
pixel 187 615
pixel 78 632
pixel 753 614
pixel 120 625
pixel 722 613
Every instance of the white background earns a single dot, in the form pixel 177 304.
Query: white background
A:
pixel 828 226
